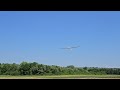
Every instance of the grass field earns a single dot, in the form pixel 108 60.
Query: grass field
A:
pixel 61 77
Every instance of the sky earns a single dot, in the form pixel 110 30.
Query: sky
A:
pixel 37 36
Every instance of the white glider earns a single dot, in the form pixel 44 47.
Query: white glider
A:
pixel 70 48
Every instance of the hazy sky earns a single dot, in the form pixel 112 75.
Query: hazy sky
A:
pixel 37 36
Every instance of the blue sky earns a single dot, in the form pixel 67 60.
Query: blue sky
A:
pixel 36 36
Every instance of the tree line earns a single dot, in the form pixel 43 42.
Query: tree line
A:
pixel 35 68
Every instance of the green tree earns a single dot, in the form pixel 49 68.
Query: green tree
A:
pixel 24 68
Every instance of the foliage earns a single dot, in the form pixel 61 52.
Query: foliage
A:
pixel 34 68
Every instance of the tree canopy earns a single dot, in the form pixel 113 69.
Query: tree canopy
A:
pixel 35 68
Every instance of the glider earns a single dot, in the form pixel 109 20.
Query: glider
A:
pixel 70 48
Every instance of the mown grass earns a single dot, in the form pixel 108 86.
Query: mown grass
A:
pixel 61 77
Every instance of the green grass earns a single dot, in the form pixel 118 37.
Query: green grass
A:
pixel 61 77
